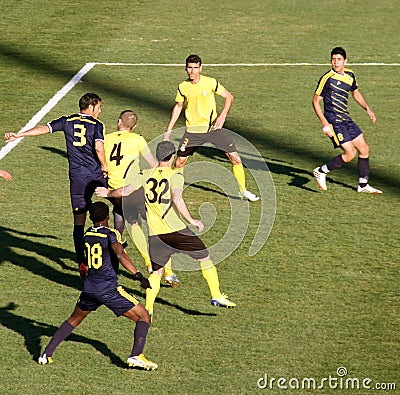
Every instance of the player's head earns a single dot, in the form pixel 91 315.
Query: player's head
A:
pixel 127 120
pixel 98 212
pixel 193 59
pixel 89 99
pixel 165 151
pixel 338 51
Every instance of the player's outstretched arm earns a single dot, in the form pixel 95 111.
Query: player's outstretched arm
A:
pixel 36 131
pixel 120 192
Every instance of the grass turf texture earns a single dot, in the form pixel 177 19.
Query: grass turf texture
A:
pixel 322 293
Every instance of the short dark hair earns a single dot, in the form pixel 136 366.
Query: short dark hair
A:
pixel 98 211
pixel 338 51
pixel 88 99
pixel 128 119
pixel 193 59
pixel 164 151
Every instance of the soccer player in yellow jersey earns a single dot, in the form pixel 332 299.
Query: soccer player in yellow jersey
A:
pixel 123 150
pixel 203 124
pixel 168 234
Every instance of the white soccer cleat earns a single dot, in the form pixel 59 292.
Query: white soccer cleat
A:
pixel 44 360
pixel 249 196
pixel 139 361
pixel 223 302
pixel 321 178
pixel 368 189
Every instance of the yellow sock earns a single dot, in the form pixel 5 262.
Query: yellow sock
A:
pixel 210 274
pixel 151 293
pixel 140 241
pixel 238 172
pixel 168 269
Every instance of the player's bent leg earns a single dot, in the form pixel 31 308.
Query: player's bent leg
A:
pixel 61 334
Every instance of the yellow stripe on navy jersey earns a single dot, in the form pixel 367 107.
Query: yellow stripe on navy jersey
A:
pixel 123 150
pixel 162 216
pixel 201 109
pixel 335 88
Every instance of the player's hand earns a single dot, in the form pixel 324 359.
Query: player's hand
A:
pixel 144 282
pixel 198 224
pixel 327 130
pixel 10 137
pixel 101 192
pixel 219 122
pixel 371 115
pixel 83 271
pixel 6 175
pixel 166 135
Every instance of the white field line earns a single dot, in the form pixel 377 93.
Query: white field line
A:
pixel 48 107
pixel 88 66
pixel 241 64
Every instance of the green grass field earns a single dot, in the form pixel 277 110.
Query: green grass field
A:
pixel 322 293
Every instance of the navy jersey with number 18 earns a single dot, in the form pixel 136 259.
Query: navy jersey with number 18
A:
pixel 100 258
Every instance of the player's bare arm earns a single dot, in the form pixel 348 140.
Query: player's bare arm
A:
pixel 127 263
pixel 101 154
pixel 180 204
pixel 219 122
pixel 326 126
pixel 115 193
pixel 36 131
pixel 151 160
pixel 176 112
pixel 359 98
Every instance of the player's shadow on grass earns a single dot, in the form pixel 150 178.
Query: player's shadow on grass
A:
pixel 164 301
pixel 32 331
pixel 55 151
pixel 11 241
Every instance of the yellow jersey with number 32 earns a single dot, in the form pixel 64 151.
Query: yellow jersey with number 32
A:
pixel 162 215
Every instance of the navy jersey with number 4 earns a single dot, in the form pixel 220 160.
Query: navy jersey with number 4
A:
pixel 100 258
pixel 81 132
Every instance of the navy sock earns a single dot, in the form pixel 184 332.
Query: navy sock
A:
pixel 61 334
pixel 78 233
pixel 140 335
pixel 363 171
pixel 335 163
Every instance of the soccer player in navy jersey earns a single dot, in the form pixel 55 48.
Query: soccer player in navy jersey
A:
pixel 104 252
pixel 84 136
pixel 333 89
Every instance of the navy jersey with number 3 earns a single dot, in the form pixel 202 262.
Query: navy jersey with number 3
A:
pixel 100 258
pixel 81 132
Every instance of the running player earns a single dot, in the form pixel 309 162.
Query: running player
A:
pixel 333 89
pixel 104 252
pixel 123 151
pixel 84 135
pixel 203 124
pixel 168 234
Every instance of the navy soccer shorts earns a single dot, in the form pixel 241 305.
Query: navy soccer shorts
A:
pixel 82 189
pixel 344 132
pixel 116 299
